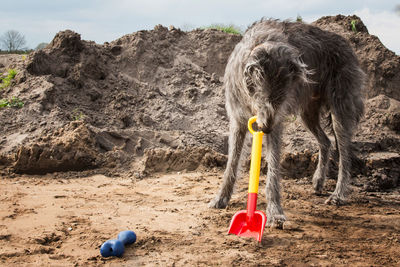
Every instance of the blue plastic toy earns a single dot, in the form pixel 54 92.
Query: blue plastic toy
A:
pixel 112 248
pixel 127 237
pixel 116 247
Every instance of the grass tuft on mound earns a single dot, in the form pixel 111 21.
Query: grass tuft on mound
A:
pixel 232 29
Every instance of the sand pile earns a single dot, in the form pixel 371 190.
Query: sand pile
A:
pixel 151 89
pixel 154 101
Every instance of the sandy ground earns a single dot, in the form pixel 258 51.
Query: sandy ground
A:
pixel 48 221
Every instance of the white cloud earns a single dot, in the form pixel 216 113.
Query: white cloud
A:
pixel 385 25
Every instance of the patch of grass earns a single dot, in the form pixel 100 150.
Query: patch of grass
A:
pixel 18 52
pixel 14 102
pixel 6 81
pixel 353 26
pixel 299 18
pixel 232 29
pixel 291 118
pixel 77 115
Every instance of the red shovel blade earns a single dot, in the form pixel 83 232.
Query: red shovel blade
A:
pixel 242 225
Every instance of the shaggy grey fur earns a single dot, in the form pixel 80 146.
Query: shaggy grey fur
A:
pixel 282 68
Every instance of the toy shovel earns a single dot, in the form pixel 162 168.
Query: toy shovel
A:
pixel 251 222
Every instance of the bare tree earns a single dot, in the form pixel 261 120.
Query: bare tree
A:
pixel 12 40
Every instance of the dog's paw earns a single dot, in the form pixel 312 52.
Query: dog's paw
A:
pixel 276 221
pixel 334 199
pixel 318 191
pixel 318 183
pixel 218 202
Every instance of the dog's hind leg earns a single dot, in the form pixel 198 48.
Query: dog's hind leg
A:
pixel 343 128
pixel 310 117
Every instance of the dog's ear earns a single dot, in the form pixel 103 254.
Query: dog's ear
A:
pixel 289 63
pixel 249 69
pixel 299 70
pixel 253 73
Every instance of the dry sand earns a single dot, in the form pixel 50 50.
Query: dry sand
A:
pixel 62 222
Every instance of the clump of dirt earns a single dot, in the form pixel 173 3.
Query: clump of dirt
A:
pixel 58 56
pixel 298 164
pixel 154 101
pixel 71 148
pixel 162 160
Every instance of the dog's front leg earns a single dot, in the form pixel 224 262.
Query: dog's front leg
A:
pixel 275 216
pixel 237 134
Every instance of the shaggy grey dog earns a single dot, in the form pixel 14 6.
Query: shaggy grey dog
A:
pixel 282 68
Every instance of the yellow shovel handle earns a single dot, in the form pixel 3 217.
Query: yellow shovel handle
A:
pixel 255 164
pixel 250 124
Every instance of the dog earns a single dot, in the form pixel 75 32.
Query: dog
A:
pixel 281 68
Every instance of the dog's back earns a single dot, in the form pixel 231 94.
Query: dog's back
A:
pixel 332 66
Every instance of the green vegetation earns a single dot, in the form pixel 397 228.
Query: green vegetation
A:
pixel 18 52
pixel 14 102
pixel 77 115
pixel 299 18
pixel 6 81
pixel 353 25
pixel 232 29
pixel 291 118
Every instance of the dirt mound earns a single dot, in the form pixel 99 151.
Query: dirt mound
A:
pixel 153 101
pixel 379 143
pixel 150 89
pixel 381 64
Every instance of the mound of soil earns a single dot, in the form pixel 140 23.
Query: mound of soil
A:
pixel 381 65
pixel 148 90
pixel 153 101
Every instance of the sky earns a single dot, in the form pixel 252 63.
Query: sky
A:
pixel 106 20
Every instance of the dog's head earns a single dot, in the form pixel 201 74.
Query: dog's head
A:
pixel 273 69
